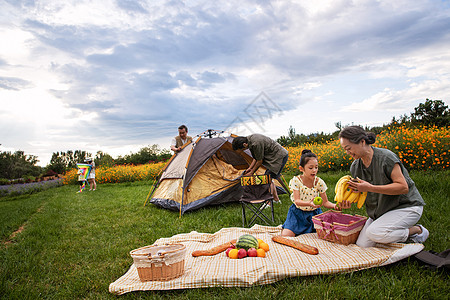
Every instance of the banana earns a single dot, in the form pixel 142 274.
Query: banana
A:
pixel 354 196
pixel 336 197
pixel 362 199
pixel 343 189
pixel 341 180
pixel 345 193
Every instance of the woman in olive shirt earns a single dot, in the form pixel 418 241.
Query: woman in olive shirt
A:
pixel 393 203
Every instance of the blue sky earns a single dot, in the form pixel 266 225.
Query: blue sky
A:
pixel 118 75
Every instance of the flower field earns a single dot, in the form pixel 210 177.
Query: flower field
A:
pixel 424 148
pixel 28 188
pixel 120 173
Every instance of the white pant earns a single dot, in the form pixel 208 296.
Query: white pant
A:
pixel 392 227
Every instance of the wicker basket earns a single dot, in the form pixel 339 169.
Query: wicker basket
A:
pixel 159 263
pixel 336 227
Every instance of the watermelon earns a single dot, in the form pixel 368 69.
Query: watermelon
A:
pixel 246 242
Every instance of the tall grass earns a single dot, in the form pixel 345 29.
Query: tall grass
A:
pixel 72 246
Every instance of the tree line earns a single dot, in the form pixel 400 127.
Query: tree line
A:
pixel 19 165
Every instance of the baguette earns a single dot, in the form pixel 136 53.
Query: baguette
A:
pixel 213 251
pixel 296 244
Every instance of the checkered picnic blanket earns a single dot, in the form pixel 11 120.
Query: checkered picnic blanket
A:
pixel 280 262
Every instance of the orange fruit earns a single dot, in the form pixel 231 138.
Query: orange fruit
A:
pixel 260 253
pixel 259 242
pixel 233 253
pixel 264 246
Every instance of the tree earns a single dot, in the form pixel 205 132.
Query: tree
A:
pixel 145 155
pixel 103 159
pixel 432 112
pixel 57 164
pixel 62 161
pixel 18 164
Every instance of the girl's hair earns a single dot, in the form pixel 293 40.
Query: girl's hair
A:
pixel 306 156
pixel 356 133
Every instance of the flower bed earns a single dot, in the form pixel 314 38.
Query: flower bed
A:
pixel 120 173
pixel 28 188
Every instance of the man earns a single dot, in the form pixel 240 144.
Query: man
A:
pixel 266 152
pixel 181 139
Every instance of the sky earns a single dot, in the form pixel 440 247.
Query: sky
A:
pixel 119 75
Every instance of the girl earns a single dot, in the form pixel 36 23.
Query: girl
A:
pixel 393 203
pixel 305 188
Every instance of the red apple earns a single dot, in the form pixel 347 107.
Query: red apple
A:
pixel 251 252
pixel 228 250
pixel 242 253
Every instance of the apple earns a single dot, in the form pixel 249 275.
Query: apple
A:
pixel 317 200
pixel 228 251
pixel 242 253
pixel 252 252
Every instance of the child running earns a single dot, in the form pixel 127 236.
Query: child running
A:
pixel 305 187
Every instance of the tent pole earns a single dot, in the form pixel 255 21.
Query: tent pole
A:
pixel 282 181
pixel 181 204
pixel 155 184
pixel 150 193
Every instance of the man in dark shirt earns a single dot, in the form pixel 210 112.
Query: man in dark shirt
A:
pixel 265 152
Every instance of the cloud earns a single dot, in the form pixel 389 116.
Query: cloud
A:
pixel 11 83
pixel 132 6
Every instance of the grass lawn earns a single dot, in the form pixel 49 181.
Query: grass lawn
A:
pixel 71 245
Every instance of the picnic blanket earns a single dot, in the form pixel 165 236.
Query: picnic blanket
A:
pixel 280 262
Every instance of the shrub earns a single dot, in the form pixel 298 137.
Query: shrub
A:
pixel 4 181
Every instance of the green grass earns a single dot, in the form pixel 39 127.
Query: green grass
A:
pixel 74 245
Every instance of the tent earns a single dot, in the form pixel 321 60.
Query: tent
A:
pixel 205 172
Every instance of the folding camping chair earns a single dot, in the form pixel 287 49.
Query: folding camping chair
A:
pixel 256 197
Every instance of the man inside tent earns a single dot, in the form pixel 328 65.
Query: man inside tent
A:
pixel 181 139
pixel 266 152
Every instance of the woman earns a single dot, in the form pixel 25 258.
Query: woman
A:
pixel 91 178
pixel 393 203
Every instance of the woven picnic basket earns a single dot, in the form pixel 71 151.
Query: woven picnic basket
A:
pixel 336 227
pixel 159 263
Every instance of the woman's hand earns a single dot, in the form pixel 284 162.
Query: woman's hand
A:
pixel 359 185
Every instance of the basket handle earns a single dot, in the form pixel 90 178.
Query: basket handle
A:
pixel 330 232
pixel 159 254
